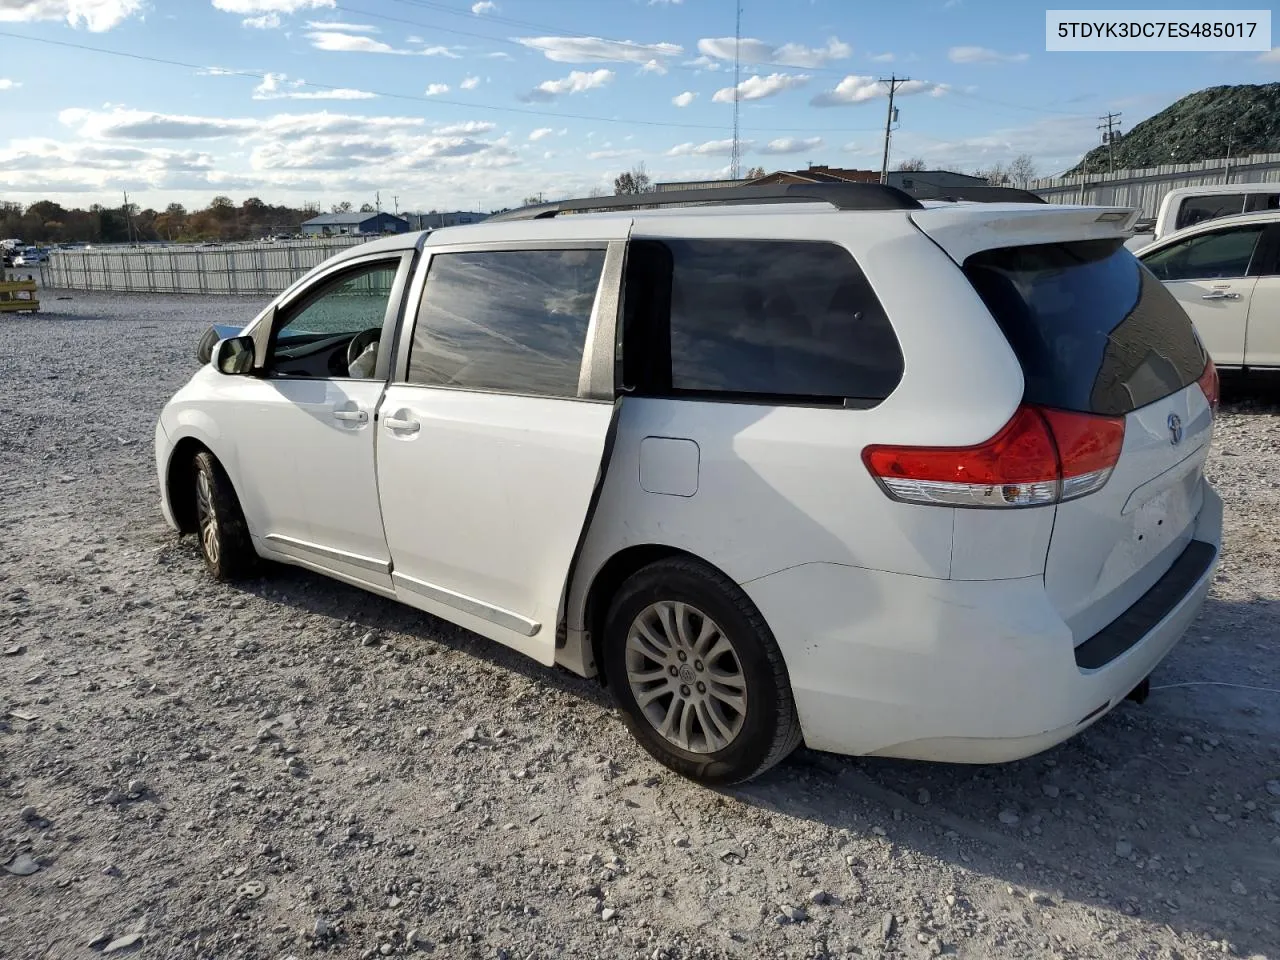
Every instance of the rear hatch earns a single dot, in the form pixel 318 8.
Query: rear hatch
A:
pixel 1097 334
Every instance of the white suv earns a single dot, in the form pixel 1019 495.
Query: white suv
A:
pixel 781 463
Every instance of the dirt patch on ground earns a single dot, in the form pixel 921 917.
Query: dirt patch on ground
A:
pixel 293 767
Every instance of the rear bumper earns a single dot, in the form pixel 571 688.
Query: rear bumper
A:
pixel 962 672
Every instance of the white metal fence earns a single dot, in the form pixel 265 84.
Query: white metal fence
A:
pixel 1144 188
pixel 239 268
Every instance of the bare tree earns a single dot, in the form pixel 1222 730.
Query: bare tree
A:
pixel 915 163
pixel 635 180
pixel 997 175
pixel 755 173
pixel 597 192
pixel 343 207
pixel 1022 170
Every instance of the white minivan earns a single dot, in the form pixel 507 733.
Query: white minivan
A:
pixel 781 463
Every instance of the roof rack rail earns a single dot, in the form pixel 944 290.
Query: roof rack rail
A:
pixel 842 196
pixel 978 194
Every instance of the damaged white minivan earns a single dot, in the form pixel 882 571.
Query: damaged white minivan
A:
pixel 820 463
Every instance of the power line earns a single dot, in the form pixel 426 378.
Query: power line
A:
pixel 415 98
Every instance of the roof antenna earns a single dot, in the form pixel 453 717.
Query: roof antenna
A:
pixel 735 158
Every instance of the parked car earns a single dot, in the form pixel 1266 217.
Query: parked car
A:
pixel 1185 207
pixel 895 478
pixel 1226 274
pixel 30 257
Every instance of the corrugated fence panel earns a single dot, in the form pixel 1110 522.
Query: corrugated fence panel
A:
pixel 1145 188
pixel 248 268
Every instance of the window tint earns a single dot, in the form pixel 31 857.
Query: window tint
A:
pixel 311 338
pixel 1208 207
pixel 755 319
pixel 1093 330
pixel 1210 256
pixel 1261 201
pixel 513 321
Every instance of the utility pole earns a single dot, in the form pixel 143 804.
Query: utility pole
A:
pixel 1109 137
pixel 894 82
pixel 735 158
pixel 396 200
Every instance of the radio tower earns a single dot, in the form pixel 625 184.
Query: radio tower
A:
pixel 735 158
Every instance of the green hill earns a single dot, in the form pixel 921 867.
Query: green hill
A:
pixel 1206 125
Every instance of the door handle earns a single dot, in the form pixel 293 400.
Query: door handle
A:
pixel 351 416
pixel 403 425
pixel 1220 295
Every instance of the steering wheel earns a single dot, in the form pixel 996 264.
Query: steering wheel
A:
pixel 360 341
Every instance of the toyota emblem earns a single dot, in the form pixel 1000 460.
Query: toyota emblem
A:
pixel 1175 429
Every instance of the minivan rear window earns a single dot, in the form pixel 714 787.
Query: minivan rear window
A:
pixel 1094 331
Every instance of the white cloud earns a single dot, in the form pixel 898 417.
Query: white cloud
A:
pixel 684 99
pixel 7 84
pixel 1271 56
pixel 268 21
pixel 469 83
pixel 785 145
pixel 983 55
pixel 270 6
pixel 343 27
pixel 653 66
pixel 467 127
pixel 712 148
pixel 757 87
pixel 120 123
pixel 435 89
pixel 273 87
pixel 337 42
pixel 854 89
pixel 96 15
pixel 789 54
pixel 484 6
pixel 439 52
pixel 883 58
pixel 610 154
pixel 540 133
pixel 578 81
pixel 596 50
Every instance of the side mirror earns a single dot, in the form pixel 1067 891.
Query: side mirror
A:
pixel 204 349
pixel 234 356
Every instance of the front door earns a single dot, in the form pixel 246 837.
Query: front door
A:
pixel 493 434
pixel 312 416
pixel 1210 275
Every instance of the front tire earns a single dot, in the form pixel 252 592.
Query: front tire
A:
pixel 224 537
pixel 697 675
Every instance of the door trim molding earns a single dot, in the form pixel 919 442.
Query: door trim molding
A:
pixel 330 553
pixel 477 608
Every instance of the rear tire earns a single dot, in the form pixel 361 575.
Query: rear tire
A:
pixel 224 537
pixel 697 675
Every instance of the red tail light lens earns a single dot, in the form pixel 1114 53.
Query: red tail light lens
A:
pixel 1210 386
pixel 1041 456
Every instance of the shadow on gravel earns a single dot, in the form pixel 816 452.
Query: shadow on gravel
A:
pixel 1160 810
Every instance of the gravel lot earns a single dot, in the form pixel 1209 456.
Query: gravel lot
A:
pixel 294 768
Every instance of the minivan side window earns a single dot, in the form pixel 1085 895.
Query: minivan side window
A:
pixel 509 321
pixel 1220 255
pixel 1208 207
pixel 768 320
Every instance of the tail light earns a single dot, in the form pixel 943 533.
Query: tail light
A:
pixel 1210 385
pixel 1039 457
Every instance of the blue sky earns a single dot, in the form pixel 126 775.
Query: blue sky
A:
pixel 458 104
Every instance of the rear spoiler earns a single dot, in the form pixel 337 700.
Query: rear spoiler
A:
pixel 964 229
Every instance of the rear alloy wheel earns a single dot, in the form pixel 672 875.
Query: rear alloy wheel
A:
pixel 225 543
pixel 697 675
pixel 686 677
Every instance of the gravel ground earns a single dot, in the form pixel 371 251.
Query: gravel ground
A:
pixel 292 767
